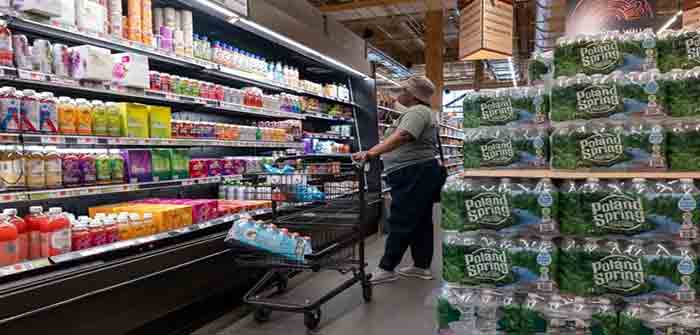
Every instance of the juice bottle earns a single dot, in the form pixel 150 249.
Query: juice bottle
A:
pixel 84 117
pixel 124 227
pixel 88 169
pixel 72 174
pixel 117 168
pixel 98 235
pixel 8 242
pixel 22 233
pixel 9 110
pixel 136 223
pixel 54 169
pixel 35 220
pixel 114 119
pixel 100 121
pixel 149 225
pixel 12 169
pixel 104 169
pixel 48 113
pixel 29 112
pixel 55 233
pixel 35 168
pixel 111 230
pixel 80 237
pixel 67 116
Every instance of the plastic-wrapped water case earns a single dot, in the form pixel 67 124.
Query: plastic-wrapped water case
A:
pixel 507 107
pixel 506 148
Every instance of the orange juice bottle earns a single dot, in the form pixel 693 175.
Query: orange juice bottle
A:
pixel 67 116
pixel 84 117
pixel 137 226
pixel 124 227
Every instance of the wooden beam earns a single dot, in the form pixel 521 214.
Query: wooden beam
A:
pixel 434 40
pixel 359 4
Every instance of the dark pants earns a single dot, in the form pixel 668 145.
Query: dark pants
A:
pixel 414 189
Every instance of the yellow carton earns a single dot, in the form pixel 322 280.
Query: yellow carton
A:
pixel 160 120
pixel 134 119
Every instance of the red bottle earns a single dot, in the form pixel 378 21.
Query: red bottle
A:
pixel 55 234
pixel 34 221
pixel 80 237
pixel 8 242
pixel 22 233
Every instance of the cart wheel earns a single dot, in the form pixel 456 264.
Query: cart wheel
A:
pixel 262 315
pixel 312 319
pixel 367 292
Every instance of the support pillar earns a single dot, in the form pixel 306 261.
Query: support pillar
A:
pixel 434 46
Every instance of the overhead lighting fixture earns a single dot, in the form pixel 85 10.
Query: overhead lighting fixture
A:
pixel 670 22
pixel 291 42
pixel 382 77
pixel 229 14
pixel 512 71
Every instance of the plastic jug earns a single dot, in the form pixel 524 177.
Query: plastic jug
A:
pixel 22 233
pixel 8 242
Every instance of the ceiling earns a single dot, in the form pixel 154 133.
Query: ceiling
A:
pixel 397 27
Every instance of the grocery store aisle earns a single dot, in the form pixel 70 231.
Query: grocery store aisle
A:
pixel 403 307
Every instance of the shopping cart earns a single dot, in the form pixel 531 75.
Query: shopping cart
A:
pixel 323 197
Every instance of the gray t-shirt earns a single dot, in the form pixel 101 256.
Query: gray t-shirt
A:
pixel 418 120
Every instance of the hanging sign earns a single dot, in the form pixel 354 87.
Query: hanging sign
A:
pixel 486 30
pixel 595 16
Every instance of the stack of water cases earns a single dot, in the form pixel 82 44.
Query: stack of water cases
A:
pixel 578 209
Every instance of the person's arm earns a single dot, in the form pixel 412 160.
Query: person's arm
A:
pixel 409 129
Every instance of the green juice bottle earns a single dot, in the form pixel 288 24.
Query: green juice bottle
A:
pixel 100 122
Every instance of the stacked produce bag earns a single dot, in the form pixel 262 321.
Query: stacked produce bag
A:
pixel 583 256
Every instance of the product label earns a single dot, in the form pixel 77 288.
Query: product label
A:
pixel 488 209
pixel 692 48
pixel 499 110
pixel 30 115
pixel 9 114
pixel 104 170
pixel 600 55
pixel 497 152
pixel 60 241
pixel 598 100
pixel 48 118
pixel 619 273
pixel 602 148
pixel 487 264
pixel 618 212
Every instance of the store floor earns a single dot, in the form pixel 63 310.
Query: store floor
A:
pixel 403 307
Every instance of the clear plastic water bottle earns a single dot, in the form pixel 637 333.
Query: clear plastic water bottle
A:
pixel 272 239
pixel 285 242
pixel 307 246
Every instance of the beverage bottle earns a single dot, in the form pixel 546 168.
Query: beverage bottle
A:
pixel 241 227
pixel 98 235
pixel 307 246
pixel 29 112
pixel 8 242
pixel 35 219
pixel 84 117
pixel 117 168
pixel 285 242
pixel 111 229
pixel 103 165
pixel 9 110
pixel 297 247
pixel 272 239
pixel 88 169
pixel 124 227
pixel 55 233
pixel 35 170
pixel 67 116
pixel 100 121
pixel 114 119
pixel 136 223
pixel 149 225
pixel 48 113
pixel 22 233
pixel 80 237
pixel 54 169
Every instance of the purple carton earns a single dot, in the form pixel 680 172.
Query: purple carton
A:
pixel 138 166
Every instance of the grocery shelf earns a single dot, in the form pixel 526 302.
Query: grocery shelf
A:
pixel 452 137
pixel 389 109
pixel 109 42
pixel 321 116
pixel 20 196
pixel 43 139
pixel 451 127
pixel 578 175
pixel 453 164
pixel 18 77
pixel 452 146
pixel 75 255
pixel 329 137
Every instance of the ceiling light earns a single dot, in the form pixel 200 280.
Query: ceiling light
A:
pixel 229 14
pixel 670 21
pixel 264 30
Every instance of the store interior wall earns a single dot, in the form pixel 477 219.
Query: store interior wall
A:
pixel 303 23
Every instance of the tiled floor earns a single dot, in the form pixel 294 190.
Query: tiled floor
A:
pixel 403 307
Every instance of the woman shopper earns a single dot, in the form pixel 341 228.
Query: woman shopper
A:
pixel 415 177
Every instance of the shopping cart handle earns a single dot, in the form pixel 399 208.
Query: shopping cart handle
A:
pixel 344 157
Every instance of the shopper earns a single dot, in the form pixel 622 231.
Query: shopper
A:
pixel 415 177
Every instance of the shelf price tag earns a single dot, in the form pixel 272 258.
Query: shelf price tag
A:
pixel 87 140
pixel 52 140
pixel 187 182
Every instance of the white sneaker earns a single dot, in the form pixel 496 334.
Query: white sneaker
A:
pixel 381 276
pixel 414 272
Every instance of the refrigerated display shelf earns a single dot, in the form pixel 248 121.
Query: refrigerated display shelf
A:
pixel 578 175
pixel 72 35
pixel 452 137
pixel 389 110
pixel 58 140
pixel 321 116
pixel 329 137
pixel 452 146
pixel 76 255
pixel 12 76
pixel 28 195
pixel 451 127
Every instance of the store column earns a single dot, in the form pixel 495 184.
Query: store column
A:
pixel 434 41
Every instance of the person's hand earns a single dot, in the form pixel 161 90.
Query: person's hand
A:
pixel 361 156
